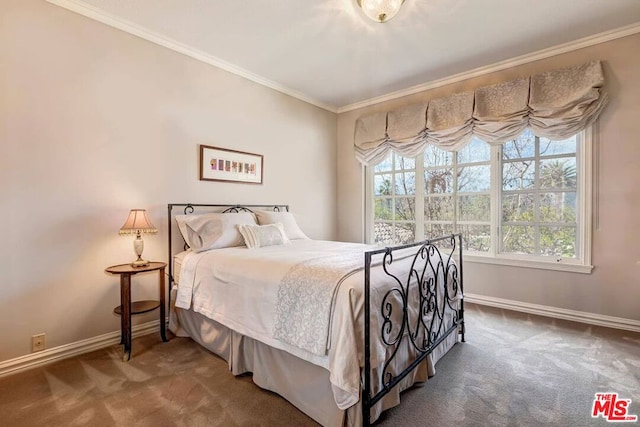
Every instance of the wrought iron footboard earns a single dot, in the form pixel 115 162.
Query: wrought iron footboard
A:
pixel 429 297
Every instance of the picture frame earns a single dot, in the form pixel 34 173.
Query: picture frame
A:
pixel 224 164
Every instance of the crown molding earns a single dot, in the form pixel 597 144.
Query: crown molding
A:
pixel 513 62
pixel 131 28
pixel 96 14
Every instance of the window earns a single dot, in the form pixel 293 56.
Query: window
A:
pixel 539 195
pixel 394 190
pixel 526 202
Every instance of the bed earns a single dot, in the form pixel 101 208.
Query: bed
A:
pixel 248 285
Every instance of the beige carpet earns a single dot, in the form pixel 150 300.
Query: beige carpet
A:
pixel 515 369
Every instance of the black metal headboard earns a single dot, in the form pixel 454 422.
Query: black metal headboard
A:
pixel 190 208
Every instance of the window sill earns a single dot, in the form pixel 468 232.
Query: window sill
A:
pixel 557 266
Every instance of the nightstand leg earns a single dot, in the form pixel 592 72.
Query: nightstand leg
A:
pixel 122 300
pixel 163 318
pixel 125 293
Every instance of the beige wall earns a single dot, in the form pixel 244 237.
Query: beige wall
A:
pixel 94 122
pixel 613 288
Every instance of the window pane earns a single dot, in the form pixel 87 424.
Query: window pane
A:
pixel 438 181
pixel 434 157
pixel 405 233
pixel 523 146
pixel 385 165
pixel 476 237
pixel 383 209
pixel 558 241
pixel 432 231
pixel 390 234
pixel 550 148
pixel 405 209
pixel 518 175
pixel 518 207
pixel 406 183
pixel 474 179
pixel 558 173
pixel 476 151
pixel 394 188
pixel 518 239
pixel 382 185
pixel 474 208
pixel 438 208
pixel 405 162
pixel 558 207
pixel 383 233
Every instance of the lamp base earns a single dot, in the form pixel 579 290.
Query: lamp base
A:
pixel 140 263
pixel 138 246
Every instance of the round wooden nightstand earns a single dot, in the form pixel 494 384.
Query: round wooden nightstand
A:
pixel 127 307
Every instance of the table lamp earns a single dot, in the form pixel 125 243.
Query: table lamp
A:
pixel 138 223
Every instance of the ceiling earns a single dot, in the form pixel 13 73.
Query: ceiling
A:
pixel 328 53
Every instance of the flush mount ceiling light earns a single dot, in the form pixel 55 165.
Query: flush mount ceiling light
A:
pixel 380 10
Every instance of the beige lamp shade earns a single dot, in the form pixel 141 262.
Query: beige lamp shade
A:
pixel 138 223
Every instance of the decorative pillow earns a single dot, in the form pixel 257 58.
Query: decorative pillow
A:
pixel 288 221
pixel 213 230
pixel 259 236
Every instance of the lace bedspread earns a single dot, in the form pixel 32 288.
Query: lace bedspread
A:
pixel 306 297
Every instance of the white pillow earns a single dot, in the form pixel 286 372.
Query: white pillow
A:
pixel 213 230
pixel 259 236
pixel 288 221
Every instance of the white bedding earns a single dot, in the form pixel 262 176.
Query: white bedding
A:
pixel 238 288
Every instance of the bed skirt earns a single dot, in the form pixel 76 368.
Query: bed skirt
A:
pixel 302 383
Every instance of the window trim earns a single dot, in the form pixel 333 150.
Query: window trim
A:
pixel 584 156
pixel 515 261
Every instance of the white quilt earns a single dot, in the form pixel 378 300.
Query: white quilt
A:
pixel 238 288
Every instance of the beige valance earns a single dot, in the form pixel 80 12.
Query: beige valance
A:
pixel 556 104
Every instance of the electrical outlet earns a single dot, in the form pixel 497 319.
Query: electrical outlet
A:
pixel 37 343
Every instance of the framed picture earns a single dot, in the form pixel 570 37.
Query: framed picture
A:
pixel 222 164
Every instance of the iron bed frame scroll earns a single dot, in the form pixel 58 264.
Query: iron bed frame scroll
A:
pixel 424 331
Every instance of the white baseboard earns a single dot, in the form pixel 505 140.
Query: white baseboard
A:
pixel 65 351
pixel 40 358
pixel 558 313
